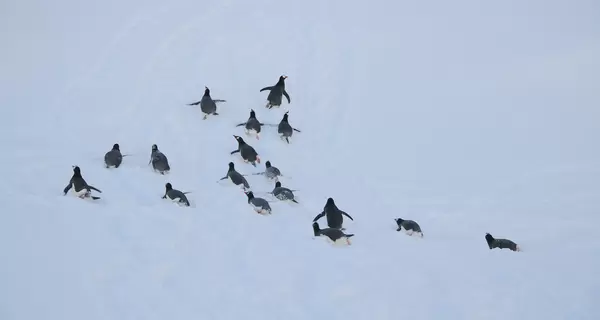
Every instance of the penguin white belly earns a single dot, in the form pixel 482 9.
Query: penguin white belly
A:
pixel 80 194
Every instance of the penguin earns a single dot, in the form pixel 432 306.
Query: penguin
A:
pixel 175 195
pixel 80 187
pixel 409 225
pixel 501 243
pixel 270 172
pixel 236 177
pixel 333 234
pixel 246 151
pixel 283 193
pixel 208 105
pixel 113 158
pixel 275 93
pixel 159 161
pixel 260 205
pixel 252 124
pixel 285 129
pixel 334 215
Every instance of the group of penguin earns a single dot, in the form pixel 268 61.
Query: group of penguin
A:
pixel 208 106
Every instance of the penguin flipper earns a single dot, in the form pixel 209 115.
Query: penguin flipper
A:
pixel 67 188
pixel 296 130
pixel 347 215
pixel 93 188
pixel 319 216
pixel 287 96
pixel 194 103
pixel 219 100
pixel 266 88
pixel 235 151
pixel 241 124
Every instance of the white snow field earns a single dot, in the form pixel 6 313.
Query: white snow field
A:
pixel 465 116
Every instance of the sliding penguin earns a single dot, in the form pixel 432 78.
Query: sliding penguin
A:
pixel 332 233
pixel 270 171
pixel 334 215
pixel 409 225
pixel 260 205
pixel 79 186
pixel 175 195
pixel 113 158
pixel 285 129
pixel 207 104
pixel 501 243
pixel 159 161
pixel 283 193
pixel 275 93
pixel 246 151
pixel 236 177
pixel 252 124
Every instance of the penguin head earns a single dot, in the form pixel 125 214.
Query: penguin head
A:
pixel 116 147
pixel 285 117
pixel 268 164
pixel 329 203
pixel 399 221
pixel 252 114
pixel 206 91
pixel 316 229
pixel 231 166
pixel 239 140
pixel 154 148
pixel 76 171
pixel 489 239
pixel 281 80
pixel 168 186
pixel 250 195
pixel 277 184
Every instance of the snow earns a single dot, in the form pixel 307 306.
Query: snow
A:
pixel 467 117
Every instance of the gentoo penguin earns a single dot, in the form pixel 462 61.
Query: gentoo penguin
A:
pixel 79 186
pixel 159 161
pixel 334 215
pixel 283 193
pixel 246 151
pixel 260 205
pixel 175 195
pixel 113 158
pixel 409 225
pixel 270 171
pixel 501 243
pixel 275 93
pixel 252 125
pixel 236 177
pixel 332 233
pixel 285 129
pixel 208 105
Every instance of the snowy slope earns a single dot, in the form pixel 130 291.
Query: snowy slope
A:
pixel 468 117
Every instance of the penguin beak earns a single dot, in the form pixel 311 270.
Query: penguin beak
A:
pixel 285 77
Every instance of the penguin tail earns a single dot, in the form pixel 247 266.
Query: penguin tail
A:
pixel 287 140
pixel 294 200
pixel 349 235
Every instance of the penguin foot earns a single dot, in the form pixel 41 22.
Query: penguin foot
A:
pixel 205 117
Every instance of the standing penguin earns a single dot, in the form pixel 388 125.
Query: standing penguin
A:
pixel 410 226
pixel 285 129
pixel 501 243
pixel 175 195
pixel 283 193
pixel 270 171
pixel 334 215
pixel 252 124
pixel 275 93
pixel 80 187
pixel 246 151
pixel 207 104
pixel 113 158
pixel 260 205
pixel 332 233
pixel 236 177
pixel 159 161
